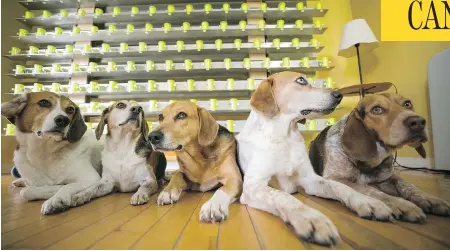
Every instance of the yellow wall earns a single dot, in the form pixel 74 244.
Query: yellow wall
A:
pixel 402 63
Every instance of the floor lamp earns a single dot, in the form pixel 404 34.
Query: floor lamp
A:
pixel 357 38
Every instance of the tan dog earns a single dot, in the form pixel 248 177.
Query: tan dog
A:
pixel 358 151
pixel 206 156
pixel 56 156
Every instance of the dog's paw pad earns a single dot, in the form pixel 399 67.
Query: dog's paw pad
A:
pixel 313 226
pixel 213 211
pixel 168 197
pixel 139 199
pixel 369 208
pixel 55 204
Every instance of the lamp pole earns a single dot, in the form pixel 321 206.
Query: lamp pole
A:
pixel 361 92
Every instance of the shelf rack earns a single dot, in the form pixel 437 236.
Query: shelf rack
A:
pixel 98 51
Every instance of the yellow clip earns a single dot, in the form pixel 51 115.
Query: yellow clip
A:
pixel 171 85
pixel 186 26
pixel 211 85
pixel 149 65
pixel 244 7
pixel 223 25
pixel 131 66
pixel 243 25
pixel 218 44
pixel 238 43
pixel 116 11
pixel 263 7
pixel 170 9
pixel 167 27
pixel 226 7
pixel 151 85
pixel 280 24
pixel 152 10
pixel 257 43
pixel 230 84
pixel 169 65
pixel 15 51
pixel 123 48
pixel 208 8
pixel 20 69
pixel 314 43
pixel 180 45
pixel 205 26
pixel 286 62
pixel 247 63
pixel 319 6
pixel 134 11
pixel 190 84
pixel 299 24
pixel 189 9
pixel 266 63
pixel 28 14
pixel 276 43
pixel 46 14
pixel 250 84
pixel 282 6
pixel 98 12
pixel 324 62
pixel 227 63
pixel 296 43
pixel 188 64
pixel 208 64
pixel 64 13
pixel 81 13
pixel 105 48
pixel 199 45
pixel 40 32
pixel 58 31
pixel 23 32
pixel 111 28
pixel 261 24
pixel 148 27
pixel 300 6
pixel 305 62
pixel 161 46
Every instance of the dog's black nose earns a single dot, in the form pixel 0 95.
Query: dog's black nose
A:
pixel 415 123
pixel 136 109
pixel 156 137
pixel 337 95
pixel 61 121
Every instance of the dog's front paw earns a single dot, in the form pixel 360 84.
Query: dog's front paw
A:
pixel 370 208
pixel 432 205
pixel 18 183
pixel 311 225
pixel 406 211
pixel 213 211
pixel 139 198
pixel 56 204
pixel 168 197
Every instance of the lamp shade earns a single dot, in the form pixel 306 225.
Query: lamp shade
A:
pixel 357 32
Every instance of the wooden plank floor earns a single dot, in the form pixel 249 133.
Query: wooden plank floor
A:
pixel 112 223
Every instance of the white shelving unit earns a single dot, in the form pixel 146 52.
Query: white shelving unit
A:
pixel 211 52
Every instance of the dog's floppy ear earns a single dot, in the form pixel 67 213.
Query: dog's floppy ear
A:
pixel 11 109
pixel 77 127
pixel 101 124
pixel 144 126
pixel 208 127
pixel 357 141
pixel 263 99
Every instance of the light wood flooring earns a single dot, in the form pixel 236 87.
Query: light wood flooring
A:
pixel 112 223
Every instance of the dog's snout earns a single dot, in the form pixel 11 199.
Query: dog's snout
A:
pixel 156 137
pixel 337 95
pixel 61 121
pixel 136 109
pixel 415 123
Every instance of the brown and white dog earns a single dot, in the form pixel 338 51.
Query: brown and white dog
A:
pixel 358 151
pixel 206 156
pixel 129 162
pixel 271 146
pixel 55 157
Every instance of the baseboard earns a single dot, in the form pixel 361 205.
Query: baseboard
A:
pixel 416 162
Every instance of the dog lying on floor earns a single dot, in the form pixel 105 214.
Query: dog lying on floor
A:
pixel 55 157
pixel 205 153
pixel 358 151
pixel 271 146
pixel 129 162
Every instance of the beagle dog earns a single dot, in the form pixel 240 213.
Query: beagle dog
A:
pixel 358 151
pixel 271 146
pixel 205 153
pixel 129 162
pixel 55 157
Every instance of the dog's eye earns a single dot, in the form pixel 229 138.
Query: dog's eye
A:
pixel 377 110
pixel 120 105
pixel 181 115
pixel 70 110
pixel 160 117
pixel 301 80
pixel 407 104
pixel 44 103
